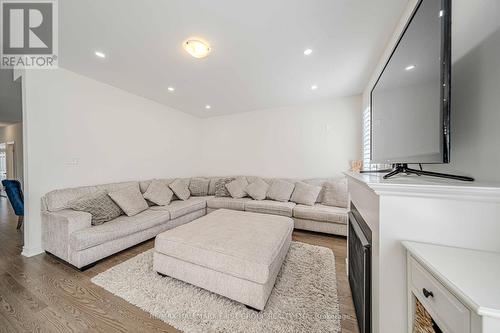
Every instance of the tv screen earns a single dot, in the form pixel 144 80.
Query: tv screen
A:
pixel 410 102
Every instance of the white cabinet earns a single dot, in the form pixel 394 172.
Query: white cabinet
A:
pixel 422 209
pixel 455 286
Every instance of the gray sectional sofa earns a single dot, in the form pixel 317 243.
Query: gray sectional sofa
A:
pixel 69 235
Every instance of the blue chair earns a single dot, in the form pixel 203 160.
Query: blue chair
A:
pixel 16 198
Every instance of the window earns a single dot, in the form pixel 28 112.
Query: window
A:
pixel 366 139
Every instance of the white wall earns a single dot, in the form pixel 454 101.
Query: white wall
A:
pixel 15 133
pixel 80 132
pixel 313 140
pixel 475 113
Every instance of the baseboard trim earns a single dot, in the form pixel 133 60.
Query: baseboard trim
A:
pixel 27 252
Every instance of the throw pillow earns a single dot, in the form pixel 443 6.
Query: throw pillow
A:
pixel 220 187
pixel 257 190
pixel 158 193
pixel 280 190
pixel 335 193
pixel 180 188
pixel 99 205
pixel 130 200
pixel 237 187
pixel 305 194
pixel 211 187
pixel 199 186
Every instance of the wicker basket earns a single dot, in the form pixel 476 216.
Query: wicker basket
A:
pixel 423 322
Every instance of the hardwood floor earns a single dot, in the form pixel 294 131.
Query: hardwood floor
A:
pixel 43 294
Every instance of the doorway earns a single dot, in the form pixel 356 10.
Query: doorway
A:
pixel 8 168
pixel 3 168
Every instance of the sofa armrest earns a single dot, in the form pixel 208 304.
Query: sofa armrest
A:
pixel 58 226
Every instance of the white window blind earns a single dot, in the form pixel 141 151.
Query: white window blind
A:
pixel 366 139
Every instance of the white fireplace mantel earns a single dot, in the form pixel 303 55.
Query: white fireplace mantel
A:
pixel 421 209
pixel 430 187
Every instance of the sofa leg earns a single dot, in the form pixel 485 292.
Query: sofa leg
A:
pixel 20 221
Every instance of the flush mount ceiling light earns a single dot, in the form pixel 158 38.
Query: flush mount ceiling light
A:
pixel 314 87
pixel 171 88
pixel 308 51
pixel 100 54
pixel 410 67
pixel 196 47
pixel 208 107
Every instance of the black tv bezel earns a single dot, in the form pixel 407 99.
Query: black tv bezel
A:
pixel 445 86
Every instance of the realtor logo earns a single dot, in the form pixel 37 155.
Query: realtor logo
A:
pixel 29 34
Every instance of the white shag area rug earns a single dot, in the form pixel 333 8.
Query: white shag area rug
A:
pixel 304 298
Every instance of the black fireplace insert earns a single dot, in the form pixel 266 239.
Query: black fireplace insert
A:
pixel 359 261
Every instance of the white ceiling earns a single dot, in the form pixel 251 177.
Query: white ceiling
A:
pixel 257 59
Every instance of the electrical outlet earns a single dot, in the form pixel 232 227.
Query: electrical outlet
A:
pixel 73 162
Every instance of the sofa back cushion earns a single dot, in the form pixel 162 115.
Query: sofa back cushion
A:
pixel 199 186
pixel 59 199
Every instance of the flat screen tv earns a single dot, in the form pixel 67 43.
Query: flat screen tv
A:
pixel 410 101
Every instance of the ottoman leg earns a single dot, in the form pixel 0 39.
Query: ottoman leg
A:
pixel 249 307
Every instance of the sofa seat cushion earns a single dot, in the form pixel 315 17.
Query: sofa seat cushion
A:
pixel 178 208
pixel 270 207
pixel 321 213
pixel 240 244
pixel 227 203
pixel 117 228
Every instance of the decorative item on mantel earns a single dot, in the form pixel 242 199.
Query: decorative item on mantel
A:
pixel 356 165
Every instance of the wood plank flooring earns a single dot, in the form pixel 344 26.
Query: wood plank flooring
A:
pixel 43 294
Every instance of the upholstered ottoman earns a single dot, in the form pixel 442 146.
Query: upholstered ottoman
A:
pixel 232 253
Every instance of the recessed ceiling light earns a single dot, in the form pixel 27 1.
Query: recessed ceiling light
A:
pixel 100 54
pixel 308 51
pixel 441 13
pixel 171 88
pixel 411 67
pixel 208 107
pixel 196 47
pixel 314 87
